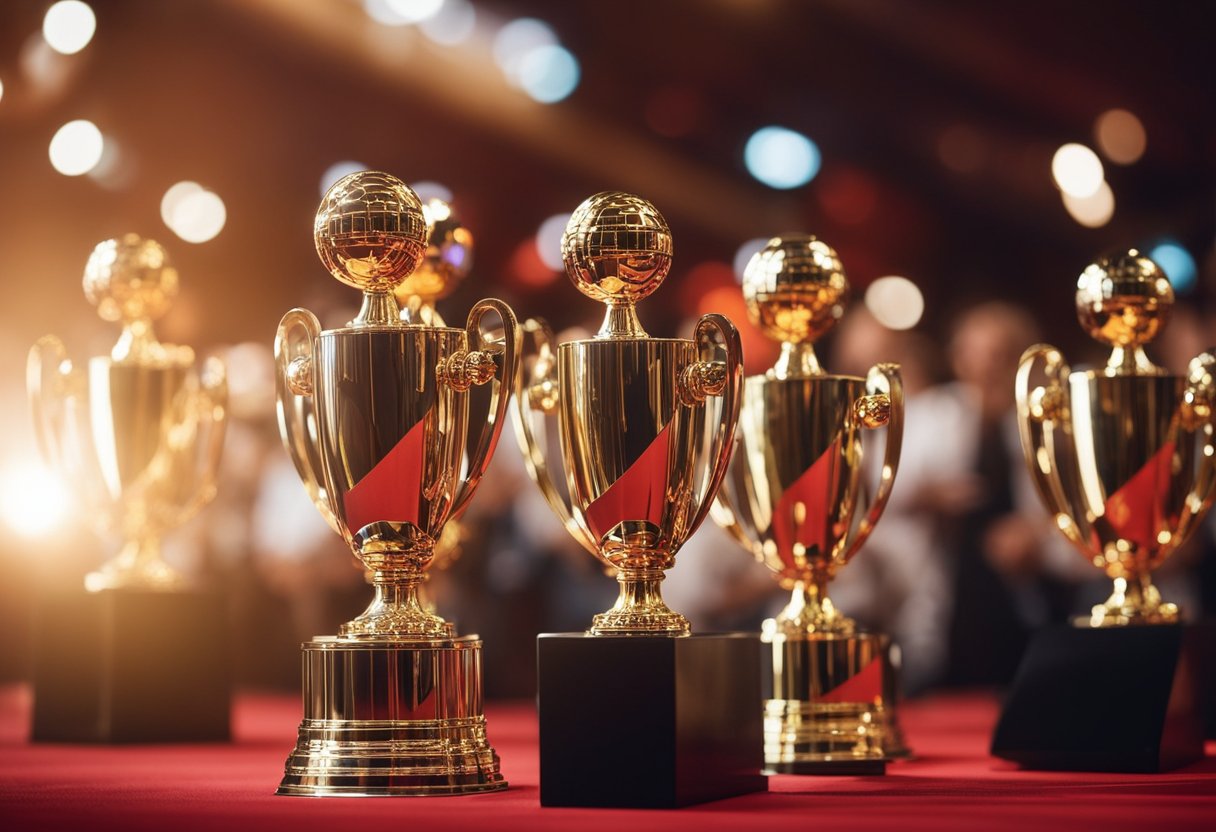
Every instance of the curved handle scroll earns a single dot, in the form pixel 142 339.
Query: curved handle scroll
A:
pixel 484 357
pixel 723 379
pixel 538 394
pixel 882 404
pixel 48 379
pixel 1043 415
pixel 725 512
pixel 1198 413
pixel 293 357
pixel 212 411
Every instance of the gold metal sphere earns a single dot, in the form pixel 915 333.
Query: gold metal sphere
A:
pixel 617 247
pixel 795 288
pixel 370 232
pixel 447 259
pixel 130 279
pixel 1124 299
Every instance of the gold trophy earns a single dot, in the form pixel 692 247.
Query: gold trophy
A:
pixel 645 426
pixel 137 434
pixel 375 416
pixel 796 498
pixel 1124 460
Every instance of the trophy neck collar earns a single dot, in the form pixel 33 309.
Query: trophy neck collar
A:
pixel 379 309
pixel 1131 361
pixel 621 321
pixel 796 361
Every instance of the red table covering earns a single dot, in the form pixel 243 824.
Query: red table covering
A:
pixel 952 784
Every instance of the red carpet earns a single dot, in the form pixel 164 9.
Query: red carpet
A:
pixel 953 784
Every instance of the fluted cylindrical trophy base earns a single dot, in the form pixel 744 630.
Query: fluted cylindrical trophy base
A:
pixel 833 703
pixel 386 717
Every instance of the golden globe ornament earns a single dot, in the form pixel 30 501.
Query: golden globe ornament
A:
pixel 1122 456
pixel 375 416
pixel 795 499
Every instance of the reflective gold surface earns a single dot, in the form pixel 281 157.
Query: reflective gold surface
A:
pixel 137 434
pixel 375 416
pixel 446 262
pixel 796 498
pixel 1123 457
pixel 645 424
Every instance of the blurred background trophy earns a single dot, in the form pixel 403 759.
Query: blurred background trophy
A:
pixel 375 417
pixel 796 498
pixel 1124 460
pixel 646 427
pixel 139 654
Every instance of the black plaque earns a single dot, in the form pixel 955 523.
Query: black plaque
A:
pixel 122 665
pixel 649 721
pixel 1110 699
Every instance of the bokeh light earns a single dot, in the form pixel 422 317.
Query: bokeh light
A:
pixel 895 302
pixel 1077 170
pixel 1 90
pixel 33 501
pixel 382 11
pixel 549 241
pixel 548 74
pixel 69 26
pixel 1093 211
pixel 1177 263
pixel 1120 136
pixel 415 11
pixel 335 172
pixel 428 190
pixel 781 158
pixel 454 23
pixel 516 40
pixel 76 147
pixel 192 212
pixel 745 253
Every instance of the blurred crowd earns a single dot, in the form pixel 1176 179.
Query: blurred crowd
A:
pixel 962 568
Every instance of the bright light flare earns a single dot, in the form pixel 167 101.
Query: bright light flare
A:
pixel 1093 211
pixel 1077 170
pixel 76 148
pixel 895 302
pixel 69 26
pixel 33 501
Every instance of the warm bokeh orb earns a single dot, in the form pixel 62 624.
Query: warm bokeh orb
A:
pixel 129 278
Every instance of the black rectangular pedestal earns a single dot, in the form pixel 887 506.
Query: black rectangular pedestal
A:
pixel 1112 699
pixel 130 666
pixel 649 721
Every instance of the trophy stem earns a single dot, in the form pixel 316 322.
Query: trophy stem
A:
pixel 810 610
pixel 397 611
pixel 137 566
pixel 1133 601
pixel 640 609
pixel 796 361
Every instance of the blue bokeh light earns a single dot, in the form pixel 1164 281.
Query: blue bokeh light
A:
pixel 1177 263
pixel 781 158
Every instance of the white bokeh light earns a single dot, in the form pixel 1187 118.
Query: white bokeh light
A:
pixel 69 26
pixel 1077 170
pixel 337 170
pixel 192 212
pixel 453 24
pixel 548 73
pixel 895 302
pixel 1093 211
pixel 428 190
pixel 516 40
pixel 33 501
pixel 781 158
pixel 745 253
pixel 415 11
pixel 549 241
pixel 76 148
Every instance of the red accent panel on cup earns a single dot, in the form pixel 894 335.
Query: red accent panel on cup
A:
pixel 390 491
pixel 1135 510
pixel 638 494
pixel 863 686
pixel 800 516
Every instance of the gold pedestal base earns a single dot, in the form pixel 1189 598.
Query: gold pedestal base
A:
pixel 392 718
pixel 833 703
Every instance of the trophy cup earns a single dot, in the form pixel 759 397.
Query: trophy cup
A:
pixel 1123 459
pixel 795 498
pixel 374 415
pixel 139 655
pixel 646 428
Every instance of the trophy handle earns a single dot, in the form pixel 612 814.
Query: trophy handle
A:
pixel 49 376
pixel 293 356
pixel 883 404
pixel 476 367
pixel 538 394
pixel 212 409
pixel 1042 413
pixel 716 378
pixel 1198 410
pixel 724 511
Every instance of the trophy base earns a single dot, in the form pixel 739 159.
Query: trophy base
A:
pixel 832 707
pixel 129 665
pixel 648 721
pixel 1111 699
pixel 385 717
